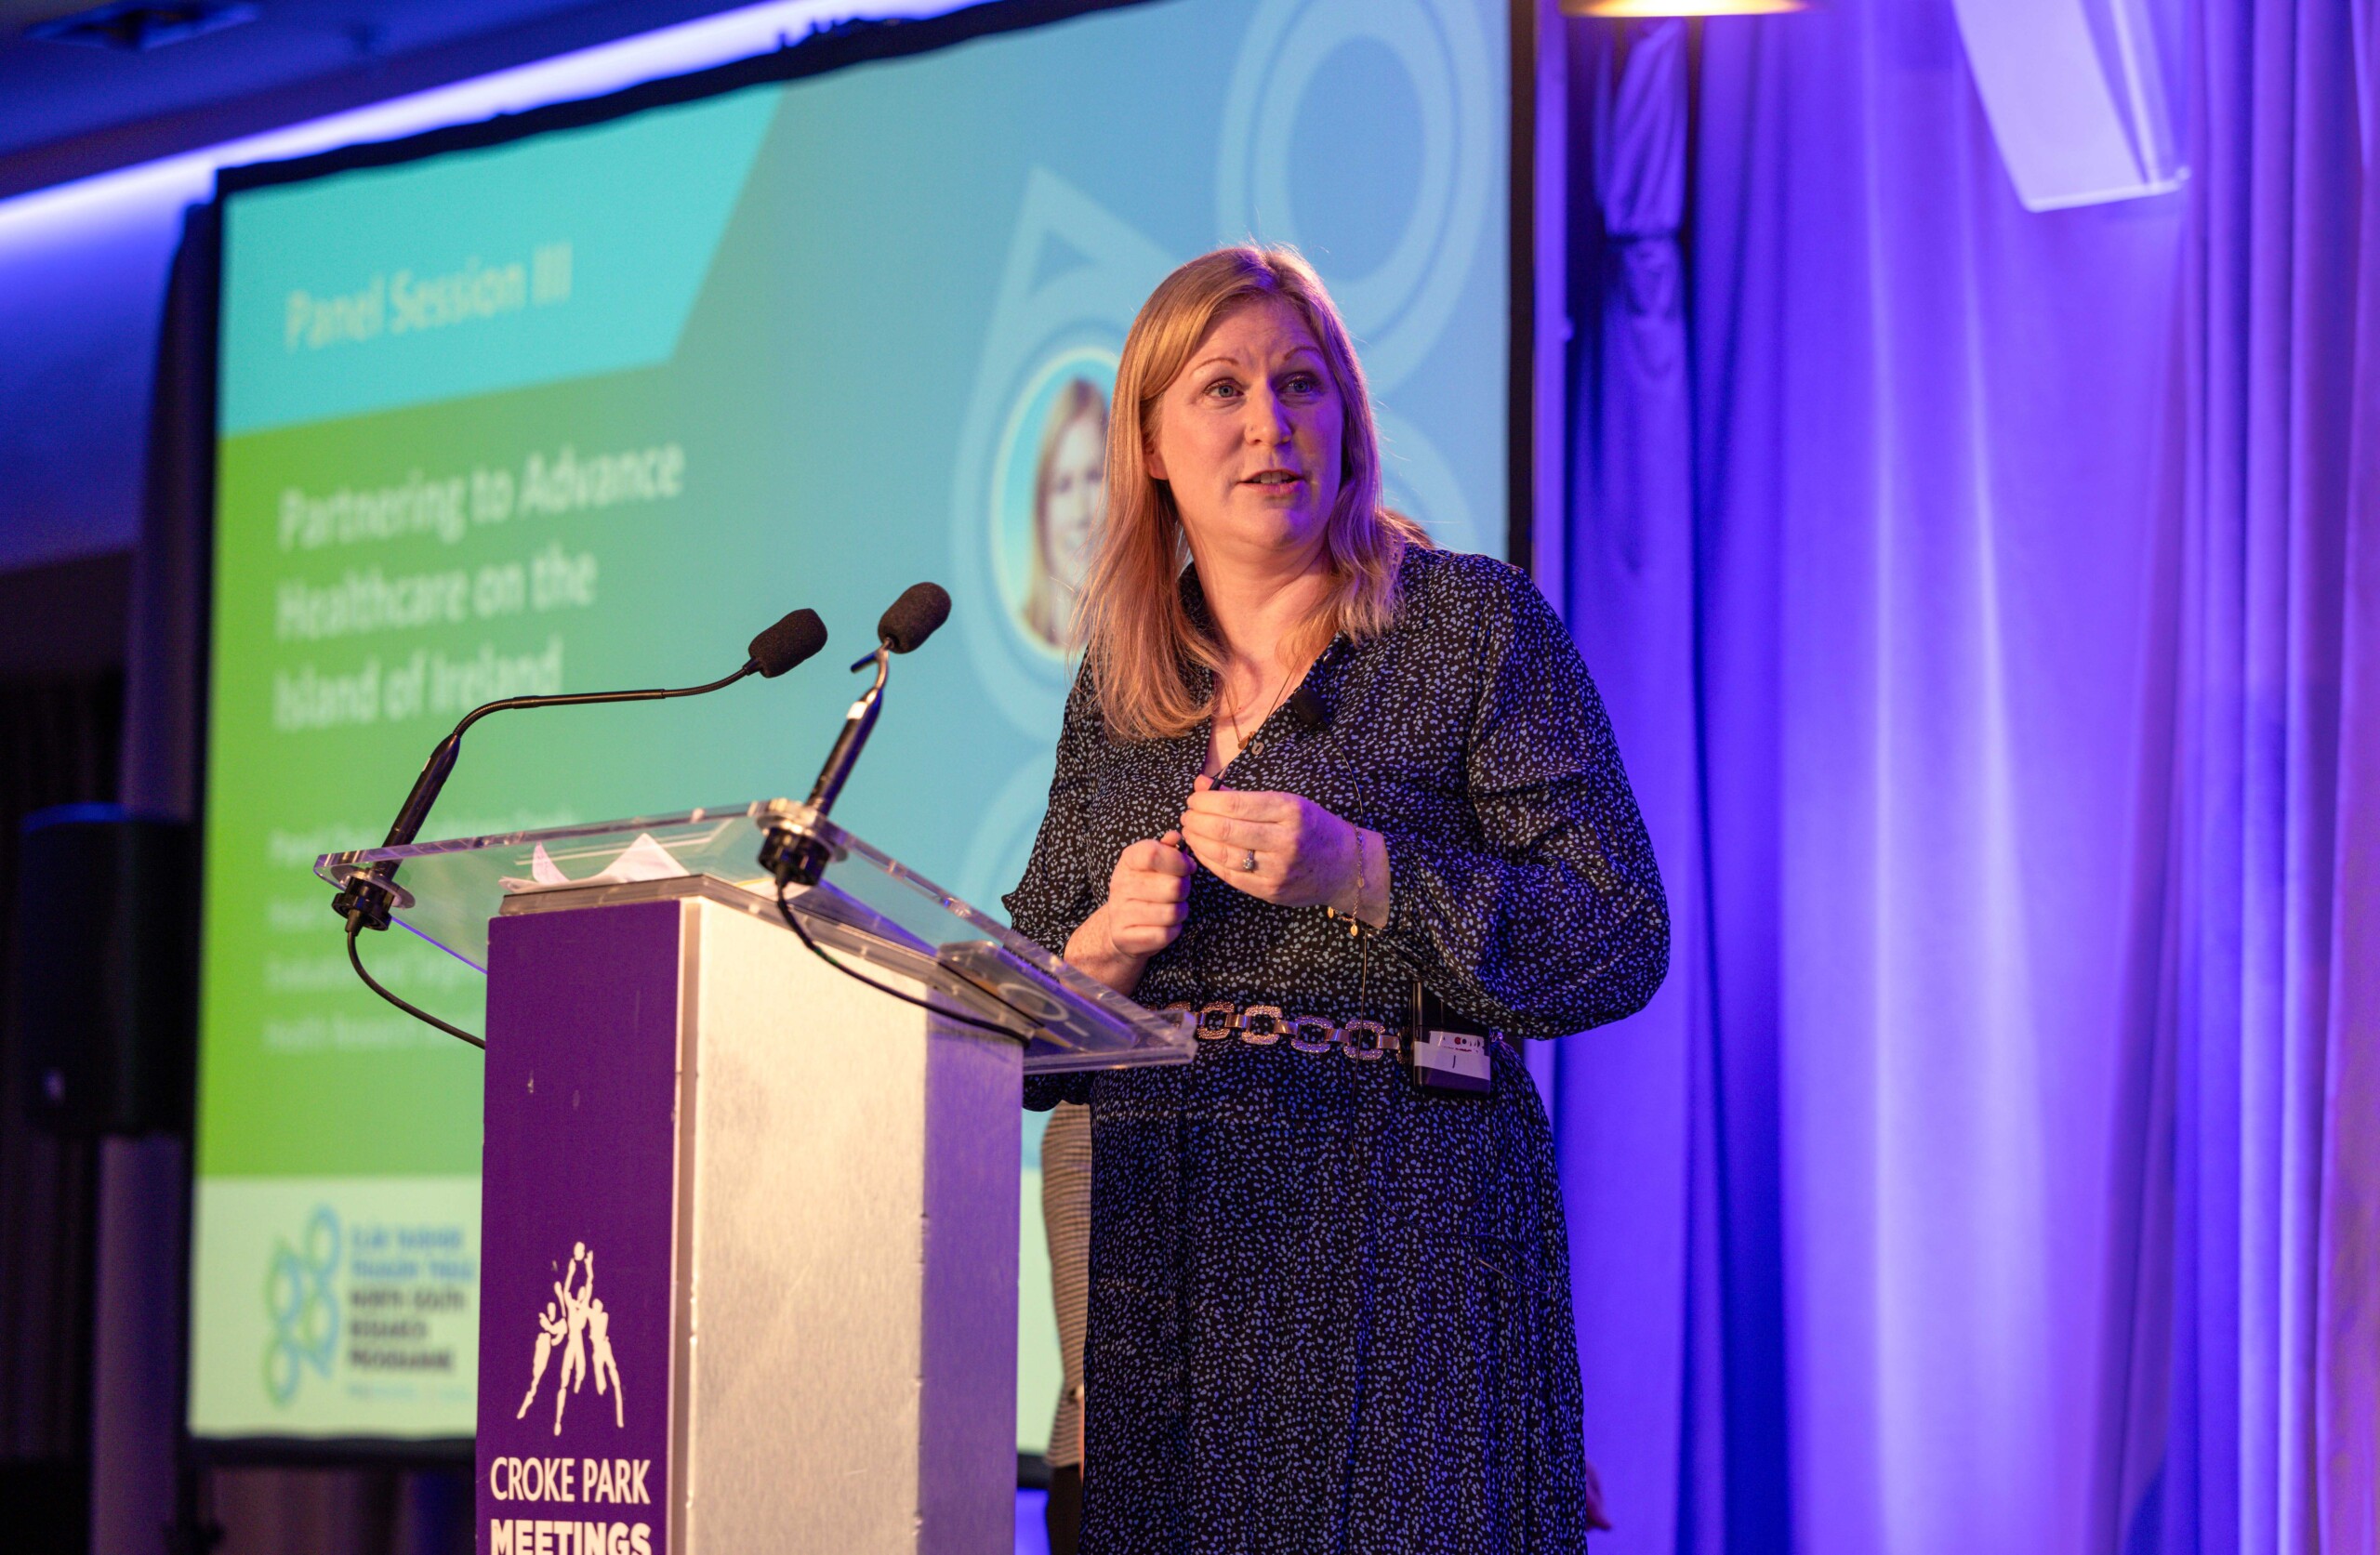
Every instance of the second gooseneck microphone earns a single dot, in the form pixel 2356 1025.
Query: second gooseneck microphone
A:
pixel 794 854
pixel 908 621
pixel 795 850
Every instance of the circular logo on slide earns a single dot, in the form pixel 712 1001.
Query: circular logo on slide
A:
pixel 1401 305
pixel 301 1305
pixel 1049 493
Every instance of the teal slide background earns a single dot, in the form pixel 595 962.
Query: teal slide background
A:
pixel 784 345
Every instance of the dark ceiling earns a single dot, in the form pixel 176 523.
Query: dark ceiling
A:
pixel 70 110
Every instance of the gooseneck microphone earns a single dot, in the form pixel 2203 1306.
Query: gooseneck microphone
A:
pixel 772 652
pixel 365 901
pixel 792 852
pixel 785 645
pixel 912 618
pixel 908 621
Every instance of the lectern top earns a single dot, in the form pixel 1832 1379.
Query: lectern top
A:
pixel 868 907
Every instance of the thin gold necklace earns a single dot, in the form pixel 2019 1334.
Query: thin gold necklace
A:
pixel 1231 715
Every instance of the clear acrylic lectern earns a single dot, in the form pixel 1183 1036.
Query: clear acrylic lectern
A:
pixel 870 907
pixel 748 1226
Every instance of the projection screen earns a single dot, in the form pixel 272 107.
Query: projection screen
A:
pixel 585 398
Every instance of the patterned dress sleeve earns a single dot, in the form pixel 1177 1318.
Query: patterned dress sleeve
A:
pixel 1548 917
pixel 1062 887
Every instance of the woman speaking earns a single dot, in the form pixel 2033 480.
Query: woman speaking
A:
pixel 1330 791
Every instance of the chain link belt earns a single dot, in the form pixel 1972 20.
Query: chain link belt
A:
pixel 1260 1025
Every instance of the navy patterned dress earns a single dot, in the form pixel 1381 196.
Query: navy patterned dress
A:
pixel 1328 1312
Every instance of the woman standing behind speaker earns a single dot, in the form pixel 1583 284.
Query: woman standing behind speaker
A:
pixel 1323 777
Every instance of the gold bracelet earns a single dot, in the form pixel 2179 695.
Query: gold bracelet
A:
pixel 1363 887
pixel 1355 924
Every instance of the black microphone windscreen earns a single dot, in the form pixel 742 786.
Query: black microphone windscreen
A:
pixel 789 642
pixel 1308 710
pixel 913 617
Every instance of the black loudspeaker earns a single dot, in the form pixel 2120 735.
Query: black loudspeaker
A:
pixel 107 963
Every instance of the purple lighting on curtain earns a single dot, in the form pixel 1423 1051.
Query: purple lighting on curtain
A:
pixel 1636 1102
pixel 2270 1442
pixel 2347 1379
pixel 1985 601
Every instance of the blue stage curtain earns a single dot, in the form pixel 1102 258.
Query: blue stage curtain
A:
pixel 1629 1108
pixel 1987 604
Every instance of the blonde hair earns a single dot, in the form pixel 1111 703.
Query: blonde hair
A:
pixel 1141 643
pixel 1078 401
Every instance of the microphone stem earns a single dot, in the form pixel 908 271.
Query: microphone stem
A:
pixel 856 724
pixel 372 892
pixel 434 773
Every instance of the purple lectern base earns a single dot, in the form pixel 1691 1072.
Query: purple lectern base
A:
pixel 749 1233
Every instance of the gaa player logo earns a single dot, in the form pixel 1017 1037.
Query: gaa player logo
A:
pixel 574 1323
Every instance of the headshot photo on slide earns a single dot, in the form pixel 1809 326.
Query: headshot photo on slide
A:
pixel 1049 493
pixel 1073 276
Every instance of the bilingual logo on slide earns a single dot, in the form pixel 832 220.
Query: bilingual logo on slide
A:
pixel 367 1307
pixel 301 1301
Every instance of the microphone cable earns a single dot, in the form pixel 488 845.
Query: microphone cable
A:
pixel 355 958
pixel 793 921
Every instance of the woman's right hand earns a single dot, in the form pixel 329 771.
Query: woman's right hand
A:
pixel 1148 896
pixel 1148 900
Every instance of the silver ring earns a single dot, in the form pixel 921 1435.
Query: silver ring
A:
pixel 1247 863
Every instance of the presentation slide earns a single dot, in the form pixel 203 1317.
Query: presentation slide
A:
pixel 588 409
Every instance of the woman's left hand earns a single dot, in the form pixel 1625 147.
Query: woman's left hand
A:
pixel 1304 855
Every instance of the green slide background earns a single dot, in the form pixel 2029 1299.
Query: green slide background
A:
pixel 826 300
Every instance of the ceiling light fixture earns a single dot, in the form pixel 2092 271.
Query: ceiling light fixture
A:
pixel 1625 10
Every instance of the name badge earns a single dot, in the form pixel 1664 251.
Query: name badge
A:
pixel 1454 1063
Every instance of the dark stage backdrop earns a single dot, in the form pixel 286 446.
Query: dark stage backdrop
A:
pixel 59 732
pixel 1985 605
